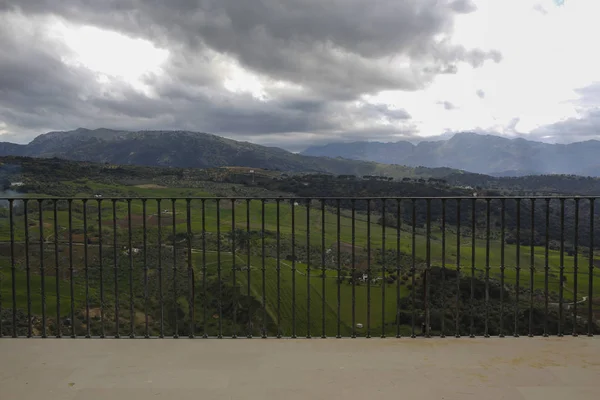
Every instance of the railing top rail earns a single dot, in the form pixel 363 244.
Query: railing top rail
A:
pixel 34 198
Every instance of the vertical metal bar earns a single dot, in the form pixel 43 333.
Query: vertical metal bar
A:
pixel 502 262
pixel 1 326
pixel 293 206
pixel 518 268
pixel 487 267
pixel 546 267
pixel 443 318
pixel 457 311
pixel 398 229
pixel 27 268
pixel 427 266
pixel 145 244
pixel 204 276
pixel 575 266
pixel 86 270
pixel 130 243
pixel 175 297
pixel 531 266
pixel 57 270
pixel 383 266
pixel 353 202
pixel 412 266
pixel 263 271
pixel 248 271
pixel 71 272
pixel 471 300
pixel 339 271
pixel 1 323
pixel 308 268
pixel 116 267
pixel 160 272
pixel 42 271
pixel 323 271
pixel 13 271
pixel 590 298
pixel 101 269
pixel 191 281
pixel 278 255
pixel 233 269
pixel 561 276
pixel 220 289
pixel 368 268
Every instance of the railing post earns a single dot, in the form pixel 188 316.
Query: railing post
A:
pixel 27 268
pixel 458 265
pixel 71 272
pixel 427 274
pixel 487 266
pixel 233 269
pixel 590 298
pixel 191 280
pixel 413 266
pixel 502 264
pixel 175 298
pixel 575 266
pixel 383 266
pixel 562 268
pixel 12 268
pixel 443 227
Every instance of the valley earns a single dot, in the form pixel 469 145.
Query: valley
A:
pixel 289 257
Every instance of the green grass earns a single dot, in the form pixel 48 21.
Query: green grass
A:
pixel 302 226
pixel 317 302
pixel 314 223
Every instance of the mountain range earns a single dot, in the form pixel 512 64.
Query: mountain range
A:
pixel 192 150
pixel 485 154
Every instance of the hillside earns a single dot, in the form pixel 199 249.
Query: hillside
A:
pixel 486 154
pixel 259 243
pixel 192 150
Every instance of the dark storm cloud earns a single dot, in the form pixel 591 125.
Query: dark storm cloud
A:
pixel 339 49
pixel 334 51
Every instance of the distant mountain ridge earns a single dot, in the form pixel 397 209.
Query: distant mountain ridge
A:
pixel 486 154
pixel 192 150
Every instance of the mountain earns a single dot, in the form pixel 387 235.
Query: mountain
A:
pixel 486 154
pixel 193 150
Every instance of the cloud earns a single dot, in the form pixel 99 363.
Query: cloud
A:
pixel 540 8
pixel 312 65
pixel 447 105
pixel 581 128
pixel 584 126
pixel 340 51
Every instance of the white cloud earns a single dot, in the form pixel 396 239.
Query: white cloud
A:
pixel 546 58
pixel 110 54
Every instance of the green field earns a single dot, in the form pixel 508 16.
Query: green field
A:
pixel 323 304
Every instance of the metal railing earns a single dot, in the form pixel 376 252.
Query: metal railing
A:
pixel 297 267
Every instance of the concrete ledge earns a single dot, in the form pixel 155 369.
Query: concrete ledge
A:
pixel 509 368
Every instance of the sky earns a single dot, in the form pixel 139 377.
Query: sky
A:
pixel 296 73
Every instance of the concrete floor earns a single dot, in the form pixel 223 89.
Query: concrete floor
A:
pixel 510 368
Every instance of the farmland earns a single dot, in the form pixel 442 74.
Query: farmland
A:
pixel 289 288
